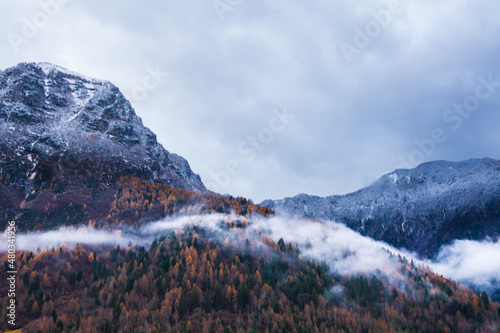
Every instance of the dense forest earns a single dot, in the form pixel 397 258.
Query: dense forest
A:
pixel 193 281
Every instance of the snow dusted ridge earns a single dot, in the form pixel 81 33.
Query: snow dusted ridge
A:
pixel 48 68
pixel 419 209
pixel 50 114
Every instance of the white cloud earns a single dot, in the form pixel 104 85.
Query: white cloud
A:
pixel 347 252
pixel 469 261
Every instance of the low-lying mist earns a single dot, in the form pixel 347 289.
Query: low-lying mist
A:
pixel 472 263
pixel 342 249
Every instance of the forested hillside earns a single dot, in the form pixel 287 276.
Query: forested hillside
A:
pixel 193 280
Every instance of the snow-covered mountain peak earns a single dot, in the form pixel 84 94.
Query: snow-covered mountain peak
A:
pixel 47 110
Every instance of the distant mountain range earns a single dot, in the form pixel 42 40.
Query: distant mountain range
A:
pixel 73 136
pixel 418 209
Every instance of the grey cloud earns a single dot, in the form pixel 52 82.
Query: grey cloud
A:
pixel 353 120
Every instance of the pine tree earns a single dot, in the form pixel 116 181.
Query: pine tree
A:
pixel 207 302
pixel 485 299
pixel 218 300
pixel 195 298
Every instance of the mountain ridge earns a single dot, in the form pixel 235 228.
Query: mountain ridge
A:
pixel 418 209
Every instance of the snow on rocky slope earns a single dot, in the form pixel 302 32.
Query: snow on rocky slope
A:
pixel 418 209
pixel 51 117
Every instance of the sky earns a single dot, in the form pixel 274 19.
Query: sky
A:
pixel 269 99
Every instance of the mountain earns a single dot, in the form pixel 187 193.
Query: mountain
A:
pixel 73 137
pixel 418 209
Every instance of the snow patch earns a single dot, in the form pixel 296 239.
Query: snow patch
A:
pixel 393 176
pixel 89 86
pixel 46 87
pixel 47 68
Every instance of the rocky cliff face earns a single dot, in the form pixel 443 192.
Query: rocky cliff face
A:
pixel 418 209
pixel 59 127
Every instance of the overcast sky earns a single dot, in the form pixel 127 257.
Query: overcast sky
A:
pixel 268 99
